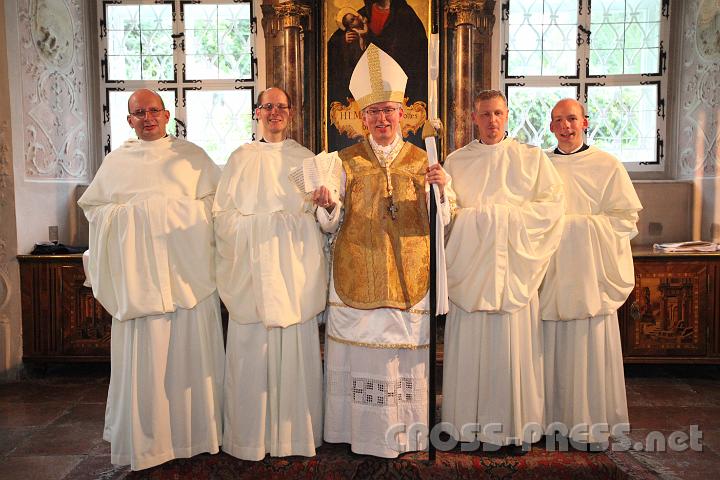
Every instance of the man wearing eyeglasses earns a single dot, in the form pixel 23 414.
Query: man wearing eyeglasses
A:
pixel 378 313
pixel 505 229
pixel 589 278
pixel 151 265
pixel 272 276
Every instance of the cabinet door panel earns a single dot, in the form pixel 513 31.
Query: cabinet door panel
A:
pixel 39 316
pixel 85 324
pixel 668 314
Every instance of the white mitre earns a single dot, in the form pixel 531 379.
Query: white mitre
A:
pixel 377 78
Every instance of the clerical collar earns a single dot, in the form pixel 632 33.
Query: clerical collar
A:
pixel 480 140
pixel 386 153
pixel 262 140
pixel 581 148
pixel 162 140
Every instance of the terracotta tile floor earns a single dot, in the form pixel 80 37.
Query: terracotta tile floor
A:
pixel 672 399
pixel 51 422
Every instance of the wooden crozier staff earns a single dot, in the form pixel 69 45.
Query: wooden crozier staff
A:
pixel 438 274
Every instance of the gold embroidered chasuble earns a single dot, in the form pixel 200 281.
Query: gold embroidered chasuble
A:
pixel 381 261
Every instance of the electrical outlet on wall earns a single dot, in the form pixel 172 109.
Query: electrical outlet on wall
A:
pixel 655 229
pixel 715 232
pixel 53 234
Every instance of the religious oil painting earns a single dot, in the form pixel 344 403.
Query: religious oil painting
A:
pixel 400 28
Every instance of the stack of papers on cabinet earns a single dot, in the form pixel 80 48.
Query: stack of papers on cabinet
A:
pixel 695 246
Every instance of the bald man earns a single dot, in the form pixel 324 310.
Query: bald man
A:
pixel 588 279
pixel 151 266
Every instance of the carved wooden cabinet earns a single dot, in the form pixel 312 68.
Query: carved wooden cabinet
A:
pixel 673 314
pixel 61 319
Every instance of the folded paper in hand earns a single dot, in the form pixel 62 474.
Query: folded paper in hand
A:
pixel 324 169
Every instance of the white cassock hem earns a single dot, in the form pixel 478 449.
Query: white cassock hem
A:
pixel 493 374
pixel 585 382
pixel 164 399
pixel 273 391
pixel 370 390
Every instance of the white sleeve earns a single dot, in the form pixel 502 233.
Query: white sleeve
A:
pixel 330 222
pixel 85 261
pixel 592 271
pixel 150 256
pixel 497 254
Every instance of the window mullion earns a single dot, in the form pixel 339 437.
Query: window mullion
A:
pixel 179 59
pixel 231 110
pixel 584 39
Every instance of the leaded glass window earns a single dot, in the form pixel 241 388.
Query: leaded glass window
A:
pixel 213 116
pixel 623 120
pixel 139 42
pixel 608 54
pixel 199 55
pixel 217 41
pixel 542 38
pixel 529 120
pixel 625 36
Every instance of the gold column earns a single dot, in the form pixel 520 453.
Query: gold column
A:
pixel 465 17
pixel 291 15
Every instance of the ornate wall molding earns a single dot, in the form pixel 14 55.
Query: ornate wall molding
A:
pixel 4 287
pixel 54 91
pixel 6 178
pixel 699 90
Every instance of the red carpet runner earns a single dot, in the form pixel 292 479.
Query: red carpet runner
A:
pixel 335 461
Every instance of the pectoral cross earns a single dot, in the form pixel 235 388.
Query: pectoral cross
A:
pixel 392 209
pixel 385 163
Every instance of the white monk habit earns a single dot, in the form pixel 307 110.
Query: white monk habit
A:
pixel 376 360
pixel 506 227
pixel 588 279
pixel 272 276
pixel 152 267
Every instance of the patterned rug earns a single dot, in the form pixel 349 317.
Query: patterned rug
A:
pixel 336 461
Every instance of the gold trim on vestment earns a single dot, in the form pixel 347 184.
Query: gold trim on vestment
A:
pixel 406 346
pixel 377 89
pixel 382 251
pixel 380 96
pixel 409 310
pixel 376 81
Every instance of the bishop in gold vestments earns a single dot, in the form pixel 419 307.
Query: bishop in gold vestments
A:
pixel 377 330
